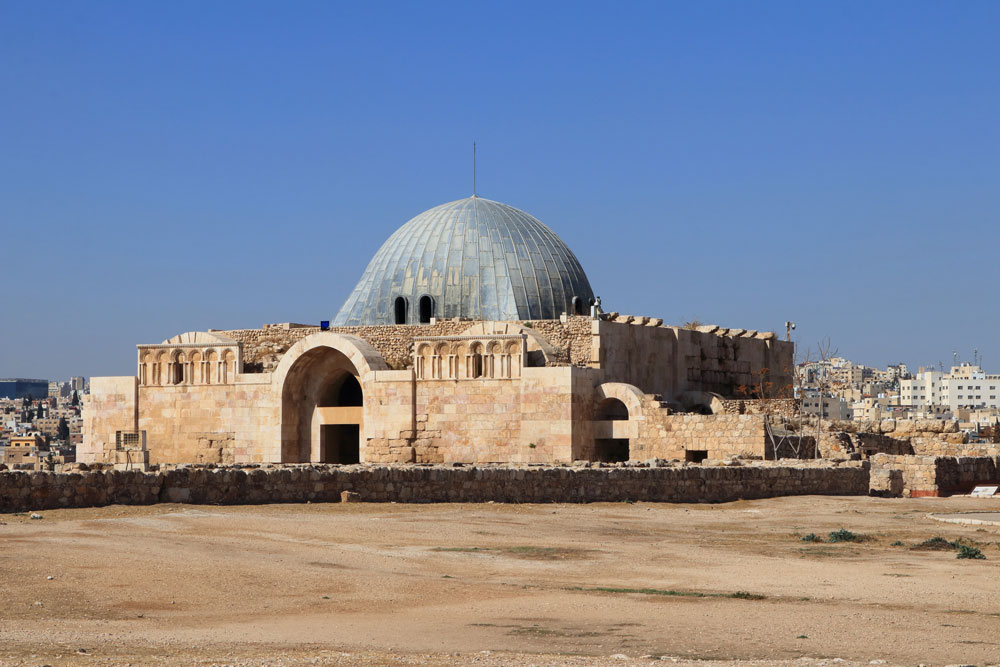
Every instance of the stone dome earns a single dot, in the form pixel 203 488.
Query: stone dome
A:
pixel 472 258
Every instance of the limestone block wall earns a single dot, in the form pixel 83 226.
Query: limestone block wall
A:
pixel 937 447
pixel 233 423
pixel 470 420
pixel 670 436
pixel 921 476
pixel 24 491
pixel 671 360
pixel 390 419
pixel 551 408
pixel 111 406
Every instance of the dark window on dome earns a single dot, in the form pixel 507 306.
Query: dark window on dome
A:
pixel 426 309
pixel 399 306
pixel 578 306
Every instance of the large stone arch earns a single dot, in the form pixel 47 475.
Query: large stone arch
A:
pixel 701 402
pixel 617 411
pixel 310 377
pixel 628 394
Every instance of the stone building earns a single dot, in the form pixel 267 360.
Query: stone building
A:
pixel 472 336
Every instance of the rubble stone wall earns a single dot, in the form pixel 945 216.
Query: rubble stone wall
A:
pixel 31 491
pixel 776 407
pixel 262 348
pixel 899 437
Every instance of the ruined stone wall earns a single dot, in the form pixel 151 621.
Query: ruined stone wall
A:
pixel 573 340
pixel 775 407
pixel 920 437
pixel 931 476
pixel 263 348
pixel 24 491
pixel 843 444
pixel 671 360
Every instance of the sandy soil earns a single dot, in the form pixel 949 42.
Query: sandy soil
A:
pixel 612 584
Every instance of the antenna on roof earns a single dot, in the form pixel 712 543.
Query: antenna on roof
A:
pixel 473 168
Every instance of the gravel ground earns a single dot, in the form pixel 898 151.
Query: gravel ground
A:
pixel 601 584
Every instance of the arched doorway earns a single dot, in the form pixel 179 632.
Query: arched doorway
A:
pixel 322 405
pixel 611 449
pixel 340 429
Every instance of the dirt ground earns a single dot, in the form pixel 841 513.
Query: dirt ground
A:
pixel 613 584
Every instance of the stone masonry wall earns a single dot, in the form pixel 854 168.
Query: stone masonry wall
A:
pixel 900 437
pixel 573 340
pixel 24 491
pixel 670 436
pixel 777 407
pixel 262 348
pixel 923 476
pixel 111 406
pixel 672 360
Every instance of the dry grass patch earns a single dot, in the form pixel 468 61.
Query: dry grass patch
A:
pixel 525 552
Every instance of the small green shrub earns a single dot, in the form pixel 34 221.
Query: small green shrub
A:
pixel 812 537
pixel 897 543
pixel 743 595
pixel 965 551
pixel 844 535
pixel 936 544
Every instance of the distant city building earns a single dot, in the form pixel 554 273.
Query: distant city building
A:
pixel 965 386
pixel 24 449
pixel 77 383
pixel 834 407
pixel 23 388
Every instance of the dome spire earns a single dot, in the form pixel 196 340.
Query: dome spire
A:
pixel 474 169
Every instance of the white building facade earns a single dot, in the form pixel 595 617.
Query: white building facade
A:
pixel 965 386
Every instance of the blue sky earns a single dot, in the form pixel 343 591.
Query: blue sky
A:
pixel 178 166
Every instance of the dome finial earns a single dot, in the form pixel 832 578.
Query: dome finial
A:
pixel 474 169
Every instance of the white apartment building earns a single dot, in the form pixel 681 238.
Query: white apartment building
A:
pixel 834 407
pixel 965 386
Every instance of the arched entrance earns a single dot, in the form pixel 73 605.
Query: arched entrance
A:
pixel 322 398
pixel 617 413
pixel 613 449
pixel 340 415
